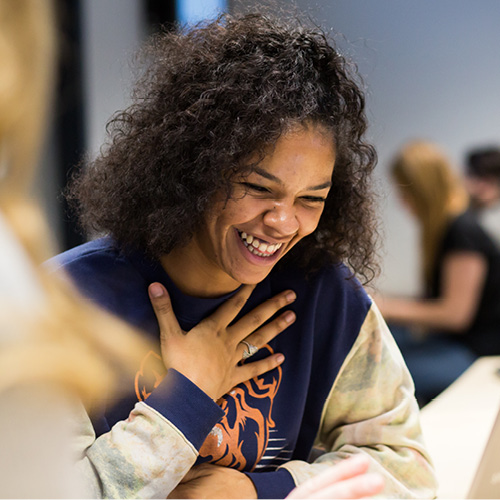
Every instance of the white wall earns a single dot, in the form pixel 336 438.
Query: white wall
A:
pixel 112 33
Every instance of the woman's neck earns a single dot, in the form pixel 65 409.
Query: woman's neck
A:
pixel 192 276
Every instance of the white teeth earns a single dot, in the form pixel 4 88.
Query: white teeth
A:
pixel 256 252
pixel 257 247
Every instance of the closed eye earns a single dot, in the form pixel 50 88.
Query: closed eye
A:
pixel 314 199
pixel 255 187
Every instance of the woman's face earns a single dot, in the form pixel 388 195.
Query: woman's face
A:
pixel 270 210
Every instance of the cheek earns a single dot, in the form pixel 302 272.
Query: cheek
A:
pixel 239 211
pixel 223 215
pixel 309 222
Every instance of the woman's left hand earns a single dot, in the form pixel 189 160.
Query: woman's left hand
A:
pixel 214 481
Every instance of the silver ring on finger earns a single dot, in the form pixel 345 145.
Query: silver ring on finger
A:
pixel 250 350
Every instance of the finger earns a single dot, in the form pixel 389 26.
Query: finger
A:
pixel 265 334
pixel 251 370
pixel 263 312
pixel 345 469
pixel 160 300
pixel 365 485
pixel 232 306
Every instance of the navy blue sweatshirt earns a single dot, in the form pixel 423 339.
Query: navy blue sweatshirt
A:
pixel 266 425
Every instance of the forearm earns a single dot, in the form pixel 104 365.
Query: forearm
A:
pixel 148 454
pixel 463 277
pixel 430 314
pixel 143 457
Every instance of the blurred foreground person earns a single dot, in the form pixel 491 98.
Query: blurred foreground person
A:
pixel 458 318
pixel 53 353
pixel 239 183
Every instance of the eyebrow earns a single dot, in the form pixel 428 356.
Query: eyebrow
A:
pixel 271 177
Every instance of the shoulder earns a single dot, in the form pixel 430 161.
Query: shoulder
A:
pixel 465 233
pixel 331 310
pixel 93 265
pixel 102 250
pixel 465 221
pixel 331 291
pixel 103 273
pixel 331 279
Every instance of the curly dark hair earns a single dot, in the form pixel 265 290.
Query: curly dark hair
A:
pixel 211 98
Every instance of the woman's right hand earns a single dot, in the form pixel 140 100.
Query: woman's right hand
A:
pixel 346 479
pixel 209 355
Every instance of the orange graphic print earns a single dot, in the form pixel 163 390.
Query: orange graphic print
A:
pixel 243 432
pixel 149 376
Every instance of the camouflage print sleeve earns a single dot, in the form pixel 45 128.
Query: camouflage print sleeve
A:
pixel 371 409
pixel 146 455
pixel 143 457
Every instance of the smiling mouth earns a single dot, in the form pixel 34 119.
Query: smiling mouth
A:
pixel 258 247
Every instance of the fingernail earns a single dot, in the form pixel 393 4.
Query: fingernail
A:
pixel 156 290
pixel 280 358
pixel 289 316
pixel 291 296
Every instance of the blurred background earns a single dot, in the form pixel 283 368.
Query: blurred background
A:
pixel 431 71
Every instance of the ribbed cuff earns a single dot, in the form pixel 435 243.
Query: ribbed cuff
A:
pixel 186 406
pixel 276 484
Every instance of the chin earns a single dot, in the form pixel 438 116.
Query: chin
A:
pixel 252 279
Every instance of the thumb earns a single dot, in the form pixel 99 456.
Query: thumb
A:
pixel 160 300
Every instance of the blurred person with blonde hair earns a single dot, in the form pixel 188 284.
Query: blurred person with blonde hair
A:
pixel 56 350
pixel 458 318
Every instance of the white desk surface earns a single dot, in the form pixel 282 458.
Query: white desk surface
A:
pixel 456 425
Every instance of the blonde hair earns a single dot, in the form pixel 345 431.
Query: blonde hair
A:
pixel 427 181
pixel 69 341
pixel 27 50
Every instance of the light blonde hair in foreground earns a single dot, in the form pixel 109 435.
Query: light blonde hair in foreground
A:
pixel 69 342
pixel 429 184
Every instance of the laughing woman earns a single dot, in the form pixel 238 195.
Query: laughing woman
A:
pixel 238 183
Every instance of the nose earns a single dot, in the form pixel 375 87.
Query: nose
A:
pixel 282 218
